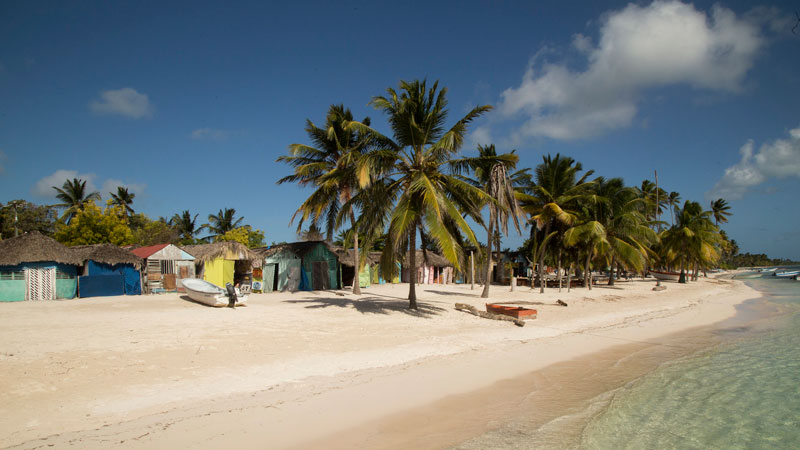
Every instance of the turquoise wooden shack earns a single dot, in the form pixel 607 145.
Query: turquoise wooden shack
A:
pixel 36 267
pixel 299 266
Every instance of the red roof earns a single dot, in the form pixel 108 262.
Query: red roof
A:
pixel 144 252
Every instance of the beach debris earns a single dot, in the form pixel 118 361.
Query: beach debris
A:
pixel 561 303
pixel 486 315
pixel 659 288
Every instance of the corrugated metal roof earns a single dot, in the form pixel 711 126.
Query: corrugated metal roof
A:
pixel 144 252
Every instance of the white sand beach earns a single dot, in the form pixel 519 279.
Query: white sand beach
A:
pixel 297 370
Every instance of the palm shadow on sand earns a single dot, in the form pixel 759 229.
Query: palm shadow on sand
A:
pixel 371 305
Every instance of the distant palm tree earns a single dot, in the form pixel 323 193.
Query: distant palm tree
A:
pixel 123 198
pixel 491 175
pixel 557 192
pixel 222 222
pixel 330 166
pixel 693 239
pixel 186 225
pixel 415 192
pixel 673 200
pixel 720 210
pixel 73 196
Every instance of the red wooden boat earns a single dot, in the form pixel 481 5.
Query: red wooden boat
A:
pixel 513 311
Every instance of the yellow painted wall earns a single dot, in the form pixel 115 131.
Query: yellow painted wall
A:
pixel 219 272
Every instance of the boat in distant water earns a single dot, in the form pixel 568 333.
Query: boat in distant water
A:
pixel 210 294
pixel 786 274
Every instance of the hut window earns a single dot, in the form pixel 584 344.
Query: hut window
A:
pixel 12 275
pixel 167 266
pixel 64 276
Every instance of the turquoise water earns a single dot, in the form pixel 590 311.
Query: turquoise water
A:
pixel 743 393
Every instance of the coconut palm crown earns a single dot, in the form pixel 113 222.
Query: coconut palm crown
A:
pixel 73 196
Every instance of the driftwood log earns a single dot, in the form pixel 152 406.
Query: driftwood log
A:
pixel 486 315
pixel 561 303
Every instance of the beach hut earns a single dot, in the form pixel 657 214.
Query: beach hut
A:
pixel 366 276
pixel 431 269
pixel 304 266
pixel 224 262
pixel 165 265
pixel 108 270
pixel 36 267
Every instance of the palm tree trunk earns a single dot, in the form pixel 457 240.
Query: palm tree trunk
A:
pixel 412 271
pixel 569 277
pixel 485 293
pixel 541 259
pixel 471 270
pixel 559 270
pixel 611 273
pixel 587 282
pixel 356 259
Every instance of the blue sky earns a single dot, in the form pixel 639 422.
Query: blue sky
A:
pixel 190 103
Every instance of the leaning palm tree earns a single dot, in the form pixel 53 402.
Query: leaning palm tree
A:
pixel 720 210
pixel 329 166
pixel 73 196
pixel 222 222
pixel 186 225
pixel 491 175
pixel 415 190
pixel 556 194
pixel 124 199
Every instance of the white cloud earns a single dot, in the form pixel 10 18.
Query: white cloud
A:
pixel 124 102
pixel 44 187
pixel 210 133
pixel 638 48
pixel 111 185
pixel 778 159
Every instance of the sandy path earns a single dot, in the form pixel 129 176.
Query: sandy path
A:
pixel 159 371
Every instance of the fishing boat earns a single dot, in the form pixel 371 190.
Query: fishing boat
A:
pixel 513 311
pixel 667 276
pixel 786 274
pixel 210 294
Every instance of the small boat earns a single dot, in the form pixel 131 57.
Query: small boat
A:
pixel 210 294
pixel 513 311
pixel 786 274
pixel 667 276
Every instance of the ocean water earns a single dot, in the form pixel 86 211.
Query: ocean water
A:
pixel 734 386
pixel 743 393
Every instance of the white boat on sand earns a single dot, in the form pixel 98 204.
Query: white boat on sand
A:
pixel 210 294
pixel 667 276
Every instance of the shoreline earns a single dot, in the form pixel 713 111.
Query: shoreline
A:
pixel 333 370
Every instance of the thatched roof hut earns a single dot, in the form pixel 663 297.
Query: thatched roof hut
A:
pixel 346 256
pixel 430 258
pixel 107 254
pixel 225 250
pixel 35 247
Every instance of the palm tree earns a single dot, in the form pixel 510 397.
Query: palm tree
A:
pixel 414 191
pixel 330 167
pixel 491 175
pixel 73 196
pixel 222 222
pixel 673 200
pixel 626 238
pixel 721 211
pixel 185 225
pixel 554 199
pixel 124 199
pixel 693 239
